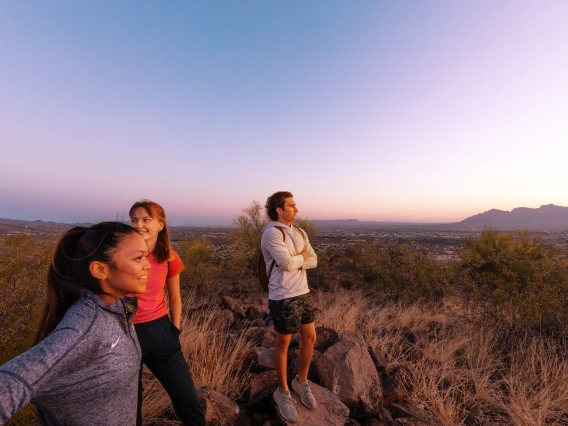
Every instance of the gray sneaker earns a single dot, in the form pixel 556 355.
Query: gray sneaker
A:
pixel 303 389
pixel 286 405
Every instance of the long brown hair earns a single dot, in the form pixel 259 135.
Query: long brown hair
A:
pixel 69 275
pixel 163 249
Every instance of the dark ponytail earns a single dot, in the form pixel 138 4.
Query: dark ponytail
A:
pixel 69 272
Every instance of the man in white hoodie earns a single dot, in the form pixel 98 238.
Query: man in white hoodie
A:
pixel 288 254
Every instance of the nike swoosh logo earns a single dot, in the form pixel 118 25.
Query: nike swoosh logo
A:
pixel 115 343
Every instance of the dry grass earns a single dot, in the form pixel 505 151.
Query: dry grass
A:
pixel 214 360
pixel 461 372
pixel 536 383
pixel 458 370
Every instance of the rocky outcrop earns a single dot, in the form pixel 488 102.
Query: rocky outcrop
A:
pixel 350 380
pixel 347 370
pixel 330 410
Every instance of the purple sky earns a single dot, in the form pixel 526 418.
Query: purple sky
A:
pixel 378 110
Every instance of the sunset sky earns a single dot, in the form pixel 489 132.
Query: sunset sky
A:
pixel 426 111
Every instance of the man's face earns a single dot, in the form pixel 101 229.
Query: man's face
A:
pixel 287 214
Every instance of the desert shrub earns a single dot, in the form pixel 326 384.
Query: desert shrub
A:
pixel 400 271
pixel 516 281
pixel 23 268
pixel 200 272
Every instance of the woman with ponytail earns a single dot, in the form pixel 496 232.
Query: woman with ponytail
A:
pixel 159 334
pixel 84 367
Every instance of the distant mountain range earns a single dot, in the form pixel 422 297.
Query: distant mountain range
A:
pixel 545 217
pixel 548 217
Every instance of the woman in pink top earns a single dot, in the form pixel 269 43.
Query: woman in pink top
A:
pixel 157 333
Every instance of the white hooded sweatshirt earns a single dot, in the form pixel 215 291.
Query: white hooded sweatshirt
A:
pixel 288 277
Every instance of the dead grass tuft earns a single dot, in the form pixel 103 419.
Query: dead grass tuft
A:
pixel 214 359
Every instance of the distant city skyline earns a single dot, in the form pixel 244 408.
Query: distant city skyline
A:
pixel 377 111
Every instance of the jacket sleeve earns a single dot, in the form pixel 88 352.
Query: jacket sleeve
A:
pixel 21 377
pixel 273 242
pixel 312 259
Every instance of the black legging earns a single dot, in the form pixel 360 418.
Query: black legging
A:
pixel 161 352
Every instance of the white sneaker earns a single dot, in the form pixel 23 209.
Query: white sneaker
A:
pixel 305 391
pixel 286 405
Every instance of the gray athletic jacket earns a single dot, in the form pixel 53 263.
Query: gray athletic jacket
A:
pixel 85 372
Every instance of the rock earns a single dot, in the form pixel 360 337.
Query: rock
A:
pixel 406 410
pixel 225 319
pixel 257 312
pixel 329 412
pixel 379 360
pixel 268 341
pixel 294 365
pixel 386 417
pixel 352 422
pixel 262 386
pixel 264 359
pixel 390 389
pixel 219 410
pixel 236 307
pixel 347 370
pixel 325 338
pixel 373 422
pixel 417 421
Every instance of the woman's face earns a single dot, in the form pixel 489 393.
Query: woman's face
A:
pixel 146 225
pixel 127 272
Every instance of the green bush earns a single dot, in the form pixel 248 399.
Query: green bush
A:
pixel 401 272
pixel 516 280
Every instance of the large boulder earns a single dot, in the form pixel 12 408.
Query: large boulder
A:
pixel 257 312
pixel 262 387
pixel 264 359
pixel 329 412
pixel 325 338
pixel 219 410
pixel 238 308
pixel 348 371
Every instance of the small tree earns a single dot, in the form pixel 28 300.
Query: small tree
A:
pixel 307 225
pixel 246 237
